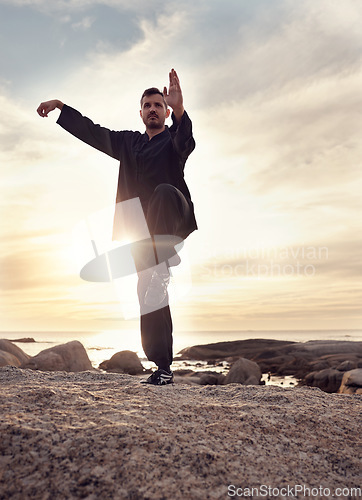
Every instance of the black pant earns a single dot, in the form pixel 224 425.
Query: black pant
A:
pixel 168 213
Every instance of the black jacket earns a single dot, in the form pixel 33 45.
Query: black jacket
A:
pixel 144 163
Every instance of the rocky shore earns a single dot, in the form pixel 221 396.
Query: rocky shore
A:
pixel 104 435
pixel 333 366
pixel 315 363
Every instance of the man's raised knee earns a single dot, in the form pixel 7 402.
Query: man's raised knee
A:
pixel 164 189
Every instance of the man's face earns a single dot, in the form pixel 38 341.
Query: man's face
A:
pixel 154 112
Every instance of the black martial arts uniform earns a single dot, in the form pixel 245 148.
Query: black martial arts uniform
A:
pixel 152 170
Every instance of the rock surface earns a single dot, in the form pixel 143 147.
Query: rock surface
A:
pixel 244 371
pixel 351 382
pixel 284 358
pixel 11 354
pixel 234 349
pixel 329 380
pixel 123 362
pixel 96 435
pixel 70 357
pixel 24 340
pixel 7 359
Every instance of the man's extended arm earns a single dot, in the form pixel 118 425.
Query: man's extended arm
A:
pixel 182 137
pixel 83 128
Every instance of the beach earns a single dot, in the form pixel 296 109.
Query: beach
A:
pixel 94 435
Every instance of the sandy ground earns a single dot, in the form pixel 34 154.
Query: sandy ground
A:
pixel 106 436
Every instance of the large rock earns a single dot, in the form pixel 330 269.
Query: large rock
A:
pixel 347 366
pixel 7 359
pixel 106 436
pixel 302 358
pixel 329 380
pixel 351 382
pixel 69 357
pixel 283 357
pixel 123 362
pixel 245 372
pixel 11 354
pixel 234 349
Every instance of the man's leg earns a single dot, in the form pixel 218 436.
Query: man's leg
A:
pixel 156 326
pixel 168 213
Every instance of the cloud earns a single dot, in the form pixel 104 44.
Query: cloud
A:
pixel 273 89
pixel 284 45
pixel 57 7
pixel 84 24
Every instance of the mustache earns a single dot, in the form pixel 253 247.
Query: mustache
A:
pixel 153 114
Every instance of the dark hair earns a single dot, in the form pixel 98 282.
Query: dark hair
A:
pixel 152 91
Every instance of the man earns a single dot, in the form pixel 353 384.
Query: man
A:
pixel 152 169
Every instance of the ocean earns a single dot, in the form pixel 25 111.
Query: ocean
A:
pixel 102 345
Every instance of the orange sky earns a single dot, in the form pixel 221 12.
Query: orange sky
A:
pixel 273 90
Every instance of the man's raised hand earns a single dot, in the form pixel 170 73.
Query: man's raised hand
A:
pixel 46 107
pixel 174 95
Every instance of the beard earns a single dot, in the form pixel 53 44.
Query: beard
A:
pixel 156 123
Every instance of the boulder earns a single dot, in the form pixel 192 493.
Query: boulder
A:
pixel 15 356
pixel 347 366
pixel 69 357
pixel 7 359
pixel 282 357
pixel 320 348
pixel 329 380
pixel 351 382
pixel 123 362
pixel 232 349
pixel 245 372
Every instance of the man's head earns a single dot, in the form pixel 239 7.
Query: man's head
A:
pixel 154 110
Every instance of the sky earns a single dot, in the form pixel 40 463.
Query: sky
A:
pixel 273 88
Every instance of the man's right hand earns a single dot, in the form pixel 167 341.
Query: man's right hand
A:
pixel 47 106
